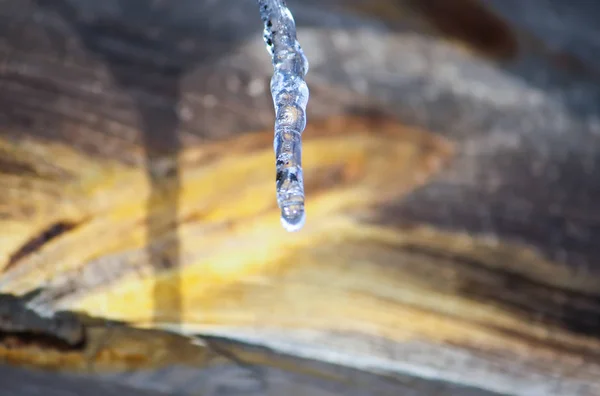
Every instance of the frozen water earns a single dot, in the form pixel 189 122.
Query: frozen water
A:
pixel 290 97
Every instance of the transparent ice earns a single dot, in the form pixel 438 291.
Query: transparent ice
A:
pixel 290 97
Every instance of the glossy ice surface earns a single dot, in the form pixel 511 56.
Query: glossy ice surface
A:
pixel 290 97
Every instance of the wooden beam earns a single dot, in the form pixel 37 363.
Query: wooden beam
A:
pixel 452 197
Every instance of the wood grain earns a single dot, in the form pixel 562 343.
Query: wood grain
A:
pixel 451 243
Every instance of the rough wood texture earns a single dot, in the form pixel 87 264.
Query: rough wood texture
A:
pixel 451 167
pixel 143 360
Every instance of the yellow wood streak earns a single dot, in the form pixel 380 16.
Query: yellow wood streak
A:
pixel 240 270
pixel 107 348
pixel 123 349
pixel 372 168
pixel 348 163
pixel 346 277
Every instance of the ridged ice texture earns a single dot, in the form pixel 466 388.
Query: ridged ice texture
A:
pixel 290 97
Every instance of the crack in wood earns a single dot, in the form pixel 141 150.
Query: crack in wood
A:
pixel 36 243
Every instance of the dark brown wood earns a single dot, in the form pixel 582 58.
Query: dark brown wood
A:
pixel 471 268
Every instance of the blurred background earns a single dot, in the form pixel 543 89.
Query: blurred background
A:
pixel 451 165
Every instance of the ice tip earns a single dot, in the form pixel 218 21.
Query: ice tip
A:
pixel 293 221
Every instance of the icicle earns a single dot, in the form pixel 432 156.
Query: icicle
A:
pixel 290 97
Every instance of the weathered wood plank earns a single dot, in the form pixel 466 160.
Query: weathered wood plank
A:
pixel 134 165
pixel 152 361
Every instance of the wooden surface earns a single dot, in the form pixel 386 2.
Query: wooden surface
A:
pixel 120 359
pixel 451 166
